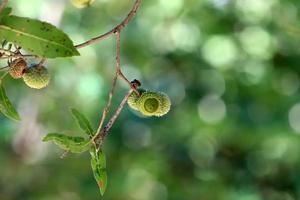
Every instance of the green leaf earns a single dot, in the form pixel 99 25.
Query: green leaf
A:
pixel 68 143
pixel 39 38
pixel 6 106
pixel 5 12
pixel 83 122
pixel 98 163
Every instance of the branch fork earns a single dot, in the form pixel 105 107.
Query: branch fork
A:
pixel 101 133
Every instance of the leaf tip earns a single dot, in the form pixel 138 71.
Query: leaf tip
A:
pixel 47 137
pixel 102 187
pixel 17 117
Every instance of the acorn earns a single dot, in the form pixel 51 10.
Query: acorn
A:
pixel 36 76
pixel 82 3
pixel 133 98
pixel 153 103
pixel 16 68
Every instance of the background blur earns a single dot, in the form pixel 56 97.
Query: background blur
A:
pixel 231 68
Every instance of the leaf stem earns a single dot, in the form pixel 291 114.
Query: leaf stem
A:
pixel 2 68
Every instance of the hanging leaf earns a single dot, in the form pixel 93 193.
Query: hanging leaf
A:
pixel 68 143
pixel 6 106
pixel 39 38
pixel 5 12
pixel 98 163
pixel 83 122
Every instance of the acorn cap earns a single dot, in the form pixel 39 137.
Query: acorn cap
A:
pixel 154 104
pixel 132 100
pixel 36 77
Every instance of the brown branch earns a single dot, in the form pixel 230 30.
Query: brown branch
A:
pixel 118 70
pixel 101 133
pixel 99 140
pixel 118 61
pixel 117 113
pixel 5 51
pixel 3 5
pixel 15 54
pixel 4 67
pixel 107 107
pixel 117 28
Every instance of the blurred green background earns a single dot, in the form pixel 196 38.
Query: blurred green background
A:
pixel 231 69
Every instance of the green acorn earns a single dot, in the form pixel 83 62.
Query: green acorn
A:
pixel 153 104
pixel 16 68
pixel 36 76
pixel 133 98
pixel 82 3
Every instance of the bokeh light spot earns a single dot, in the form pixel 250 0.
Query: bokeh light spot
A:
pixel 211 109
pixel 220 51
pixel 294 117
pixel 257 42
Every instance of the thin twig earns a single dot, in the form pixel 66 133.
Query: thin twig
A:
pixel 15 54
pixel 101 133
pixel 118 61
pixel 117 113
pixel 6 51
pixel 3 5
pixel 107 107
pixel 64 154
pixel 118 51
pixel 119 27
pixel 4 67
pixel 118 69
pixel 101 137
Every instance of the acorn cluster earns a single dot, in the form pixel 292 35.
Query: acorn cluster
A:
pixel 35 76
pixel 150 103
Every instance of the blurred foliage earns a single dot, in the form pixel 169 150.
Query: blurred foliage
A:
pixel 231 69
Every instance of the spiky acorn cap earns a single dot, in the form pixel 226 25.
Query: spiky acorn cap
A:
pixel 16 68
pixel 154 103
pixel 133 98
pixel 82 3
pixel 36 76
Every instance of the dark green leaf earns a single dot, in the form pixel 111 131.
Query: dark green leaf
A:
pixel 39 38
pixel 6 106
pixel 83 122
pixel 98 163
pixel 68 143
pixel 5 12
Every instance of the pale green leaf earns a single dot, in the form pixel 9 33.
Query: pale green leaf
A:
pixel 98 163
pixel 37 37
pixel 83 122
pixel 5 12
pixel 68 143
pixel 6 106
